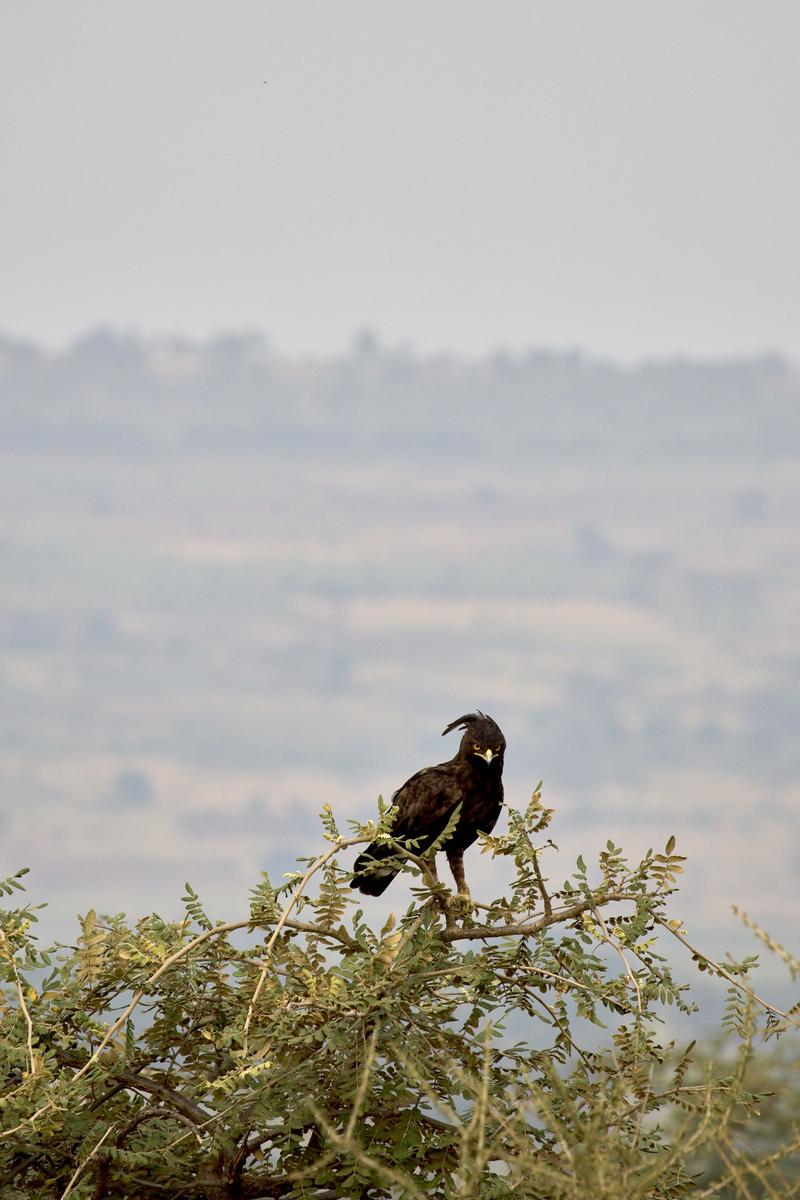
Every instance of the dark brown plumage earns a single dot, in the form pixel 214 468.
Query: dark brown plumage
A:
pixel 424 804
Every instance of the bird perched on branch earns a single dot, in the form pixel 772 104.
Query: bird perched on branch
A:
pixel 423 806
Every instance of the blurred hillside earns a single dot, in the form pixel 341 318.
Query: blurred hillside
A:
pixel 234 587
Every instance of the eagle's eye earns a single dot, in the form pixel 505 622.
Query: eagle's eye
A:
pixel 476 746
pixel 497 749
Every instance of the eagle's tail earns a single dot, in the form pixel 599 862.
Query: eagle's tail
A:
pixel 375 881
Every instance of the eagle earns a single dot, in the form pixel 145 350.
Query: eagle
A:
pixel 423 806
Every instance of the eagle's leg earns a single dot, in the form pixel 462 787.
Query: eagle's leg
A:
pixel 456 860
pixel 429 866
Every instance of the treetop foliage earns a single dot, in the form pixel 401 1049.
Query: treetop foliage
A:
pixel 298 1052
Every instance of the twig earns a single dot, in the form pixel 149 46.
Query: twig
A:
pixel 31 1120
pixel 83 1165
pixel 564 1028
pixel 471 1171
pixel 522 968
pixel 9 956
pixel 396 950
pixel 792 963
pixel 339 844
pixel 349 1145
pixel 742 987
pixel 363 1082
pixel 609 941
pixel 548 907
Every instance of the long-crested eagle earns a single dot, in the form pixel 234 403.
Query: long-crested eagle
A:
pixel 423 806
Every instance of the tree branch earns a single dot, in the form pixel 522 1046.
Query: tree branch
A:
pixel 525 929
pixel 718 967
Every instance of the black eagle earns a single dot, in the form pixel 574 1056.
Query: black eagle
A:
pixel 425 803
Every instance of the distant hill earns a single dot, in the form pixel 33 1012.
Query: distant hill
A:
pixel 234 586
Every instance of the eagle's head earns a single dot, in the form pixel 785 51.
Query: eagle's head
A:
pixel 483 739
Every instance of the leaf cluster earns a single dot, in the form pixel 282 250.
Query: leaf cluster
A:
pixel 511 1050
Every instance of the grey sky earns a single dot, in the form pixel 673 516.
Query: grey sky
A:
pixel 620 176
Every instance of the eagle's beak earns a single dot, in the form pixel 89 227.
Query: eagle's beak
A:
pixel 488 755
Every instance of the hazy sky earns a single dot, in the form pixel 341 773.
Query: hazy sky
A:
pixel 621 176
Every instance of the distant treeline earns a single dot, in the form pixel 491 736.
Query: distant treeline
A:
pixel 117 393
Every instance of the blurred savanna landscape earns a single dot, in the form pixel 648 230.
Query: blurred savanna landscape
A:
pixel 237 585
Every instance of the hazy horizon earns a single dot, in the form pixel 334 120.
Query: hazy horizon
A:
pixel 381 340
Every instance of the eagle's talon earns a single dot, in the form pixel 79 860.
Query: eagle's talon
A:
pixel 462 904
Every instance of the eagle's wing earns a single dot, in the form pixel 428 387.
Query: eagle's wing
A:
pixel 426 801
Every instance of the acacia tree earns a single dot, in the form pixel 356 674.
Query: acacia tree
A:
pixel 299 1053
